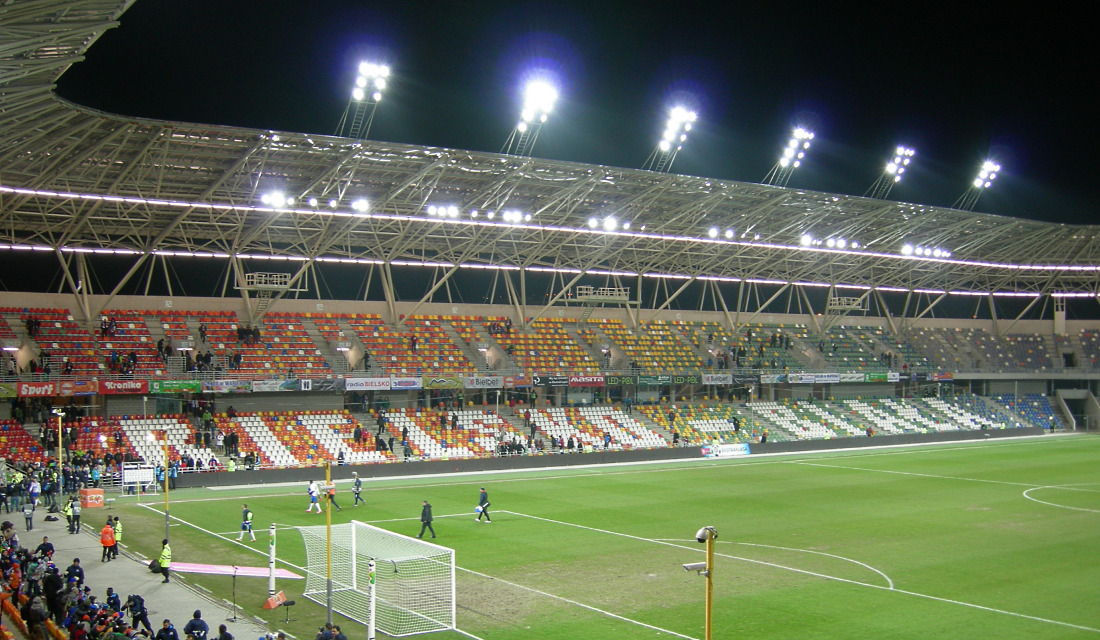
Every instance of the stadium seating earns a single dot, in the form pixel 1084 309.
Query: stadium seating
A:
pixel 546 348
pixel 181 436
pixel 652 348
pixel 17 444
pixel 1033 408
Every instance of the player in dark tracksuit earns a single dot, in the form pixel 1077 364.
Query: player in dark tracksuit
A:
pixel 426 519
pixel 483 502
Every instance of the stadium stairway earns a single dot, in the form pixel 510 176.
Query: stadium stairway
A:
pixel 469 350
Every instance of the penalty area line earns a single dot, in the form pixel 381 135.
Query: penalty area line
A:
pixel 575 603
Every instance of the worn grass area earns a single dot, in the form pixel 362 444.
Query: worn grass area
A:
pixel 993 539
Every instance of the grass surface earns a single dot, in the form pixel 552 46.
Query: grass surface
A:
pixel 985 540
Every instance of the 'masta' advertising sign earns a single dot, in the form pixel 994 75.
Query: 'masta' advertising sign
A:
pixel 586 381
pixel 123 386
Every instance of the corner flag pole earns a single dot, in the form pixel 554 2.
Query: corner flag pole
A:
pixel 271 560
pixel 328 545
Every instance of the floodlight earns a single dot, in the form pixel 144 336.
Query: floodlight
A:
pixel 593 223
pixel 332 203
pixel 841 243
pixel 678 124
pixel 365 94
pixel 986 175
pixel 806 240
pixel 626 225
pixel 313 202
pixel 360 205
pixel 538 98
pixel 713 232
pixel 831 243
pixel 609 223
pixel 729 234
pixel 790 158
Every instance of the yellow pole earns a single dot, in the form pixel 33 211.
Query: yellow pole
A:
pixel 328 543
pixel 60 477
pixel 710 582
pixel 165 484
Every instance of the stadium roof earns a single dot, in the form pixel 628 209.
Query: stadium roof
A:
pixel 74 180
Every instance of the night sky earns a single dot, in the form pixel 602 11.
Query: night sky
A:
pixel 959 82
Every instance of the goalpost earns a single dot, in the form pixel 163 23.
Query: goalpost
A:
pixel 414 581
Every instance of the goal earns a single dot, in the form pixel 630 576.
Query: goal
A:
pixel 414 581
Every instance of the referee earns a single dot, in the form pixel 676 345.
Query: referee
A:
pixel 246 523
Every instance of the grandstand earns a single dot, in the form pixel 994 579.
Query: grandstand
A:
pixel 768 317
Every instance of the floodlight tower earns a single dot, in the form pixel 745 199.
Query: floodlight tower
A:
pixel 986 175
pixel 359 114
pixel 893 173
pixel 538 100
pixel 792 157
pixel 679 123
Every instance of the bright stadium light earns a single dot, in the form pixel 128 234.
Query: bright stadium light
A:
pixel 895 169
pixel 365 96
pixel 680 121
pixel 277 200
pixel 984 180
pixel 791 157
pixel 539 98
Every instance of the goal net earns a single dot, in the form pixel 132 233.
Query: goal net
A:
pixel 414 580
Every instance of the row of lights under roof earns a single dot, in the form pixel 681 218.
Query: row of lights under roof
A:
pixel 610 223
pixel 808 240
pixel 927 252
pixel 451 211
pixel 278 200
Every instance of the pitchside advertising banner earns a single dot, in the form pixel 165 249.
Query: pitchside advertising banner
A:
pixel 550 381
pixel 408 384
pixel 175 386
pixel 725 450
pixel 718 378
pixel 267 386
pixel 517 382
pixel 613 380
pixel 62 388
pixel 367 384
pixel 483 382
pixel 586 381
pixel 442 382
pixel 115 387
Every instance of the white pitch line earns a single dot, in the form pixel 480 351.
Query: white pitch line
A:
pixel 1069 487
pixel 574 602
pixel 819 575
pixel 889 582
pixel 914 474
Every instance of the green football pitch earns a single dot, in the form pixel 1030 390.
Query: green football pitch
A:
pixel 995 539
